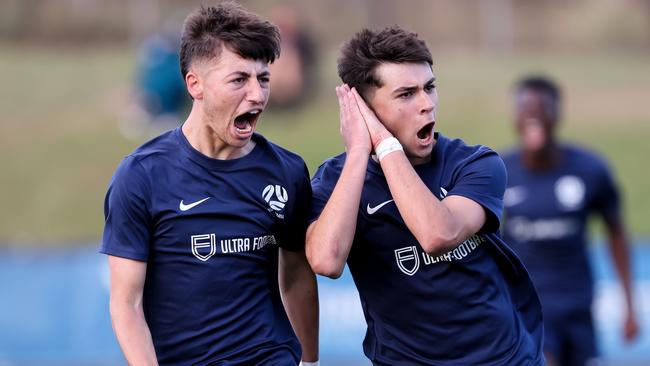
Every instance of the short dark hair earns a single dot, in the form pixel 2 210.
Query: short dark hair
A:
pixel 543 85
pixel 208 29
pixel 367 49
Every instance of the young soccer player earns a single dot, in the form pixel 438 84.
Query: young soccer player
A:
pixel 205 224
pixel 553 187
pixel 417 221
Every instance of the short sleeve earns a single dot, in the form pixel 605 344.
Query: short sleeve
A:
pixel 607 197
pixel 292 236
pixel 127 227
pixel 482 178
pixel 322 185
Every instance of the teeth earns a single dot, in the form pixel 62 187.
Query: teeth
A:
pixel 244 130
pixel 256 111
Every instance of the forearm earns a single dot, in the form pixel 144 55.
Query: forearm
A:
pixel 300 298
pixel 432 223
pixel 132 333
pixel 329 238
pixel 621 257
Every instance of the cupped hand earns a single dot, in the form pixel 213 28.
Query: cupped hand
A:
pixel 353 127
pixel 377 130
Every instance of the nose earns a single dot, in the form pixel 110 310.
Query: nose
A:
pixel 256 92
pixel 426 103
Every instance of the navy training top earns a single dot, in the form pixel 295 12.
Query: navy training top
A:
pixel 545 222
pixel 209 231
pixel 474 305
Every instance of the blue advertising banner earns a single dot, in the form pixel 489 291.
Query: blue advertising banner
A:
pixel 54 310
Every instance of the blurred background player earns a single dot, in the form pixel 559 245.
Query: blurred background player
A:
pixel 295 72
pixel 159 101
pixel 553 188
pixel 205 224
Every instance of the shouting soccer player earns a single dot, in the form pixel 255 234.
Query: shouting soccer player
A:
pixel 417 221
pixel 552 190
pixel 205 224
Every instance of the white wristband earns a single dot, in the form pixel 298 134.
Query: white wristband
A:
pixel 315 363
pixel 387 146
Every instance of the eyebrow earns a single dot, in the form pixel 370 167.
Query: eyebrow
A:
pixel 412 88
pixel 239 74
pixel 246 74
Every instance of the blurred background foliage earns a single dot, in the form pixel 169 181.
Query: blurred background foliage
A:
pixel 67 72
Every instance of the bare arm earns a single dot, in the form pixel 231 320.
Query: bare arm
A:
pixel 437 225
pixel 127 283
pixel 300 298
pixel 329 238
pixel 620 253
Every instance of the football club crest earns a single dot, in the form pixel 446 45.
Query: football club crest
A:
pixel 276 196
pixel 407 260
pixel 570 192
pixel 204 246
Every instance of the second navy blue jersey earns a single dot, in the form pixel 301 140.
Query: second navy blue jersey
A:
pixel 545 221
pixel 474 305
pixel 209 231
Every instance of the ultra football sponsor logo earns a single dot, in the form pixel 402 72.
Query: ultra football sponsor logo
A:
pixel 408 258
pixel 205 246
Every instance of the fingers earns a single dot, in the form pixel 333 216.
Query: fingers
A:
pixel 346 102
pixel 341 97
pixel 363 107
pixel 353 128
pixel 343 107
pixel 378 131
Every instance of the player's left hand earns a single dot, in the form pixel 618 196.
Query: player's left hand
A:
pixel 630 328
pixel 378 131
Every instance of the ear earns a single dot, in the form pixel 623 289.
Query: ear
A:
pixel 194 85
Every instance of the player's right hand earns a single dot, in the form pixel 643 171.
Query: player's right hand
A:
pixel 353 127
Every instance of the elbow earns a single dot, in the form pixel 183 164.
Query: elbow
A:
pixel 329 271
pixel 437 243
pixel 116 309
pixel 120 308
pixel 324 264
pixel 325 267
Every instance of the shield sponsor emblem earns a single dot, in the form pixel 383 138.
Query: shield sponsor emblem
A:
pixel 408 260
pixel 204 246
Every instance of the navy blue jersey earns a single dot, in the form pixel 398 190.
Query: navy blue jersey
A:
pixel 545 221
pixel 474 305
pixel 209 231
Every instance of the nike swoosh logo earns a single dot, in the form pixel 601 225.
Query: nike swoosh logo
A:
pixel 443 192
pixel 372 210
pixel 184 207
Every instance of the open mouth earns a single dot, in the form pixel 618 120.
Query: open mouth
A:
pixel 245 122
pixel 426 132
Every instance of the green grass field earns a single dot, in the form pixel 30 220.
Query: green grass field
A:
pixel 59 141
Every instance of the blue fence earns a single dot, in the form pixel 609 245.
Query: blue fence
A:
pixel 54 311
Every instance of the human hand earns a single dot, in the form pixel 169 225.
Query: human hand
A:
pixel 630 328
pixel 377 130
pixel 353 127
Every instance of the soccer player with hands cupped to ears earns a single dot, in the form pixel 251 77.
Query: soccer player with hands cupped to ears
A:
pixel 415 216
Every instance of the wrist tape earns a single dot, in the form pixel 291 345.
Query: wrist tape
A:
pixel 387 146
